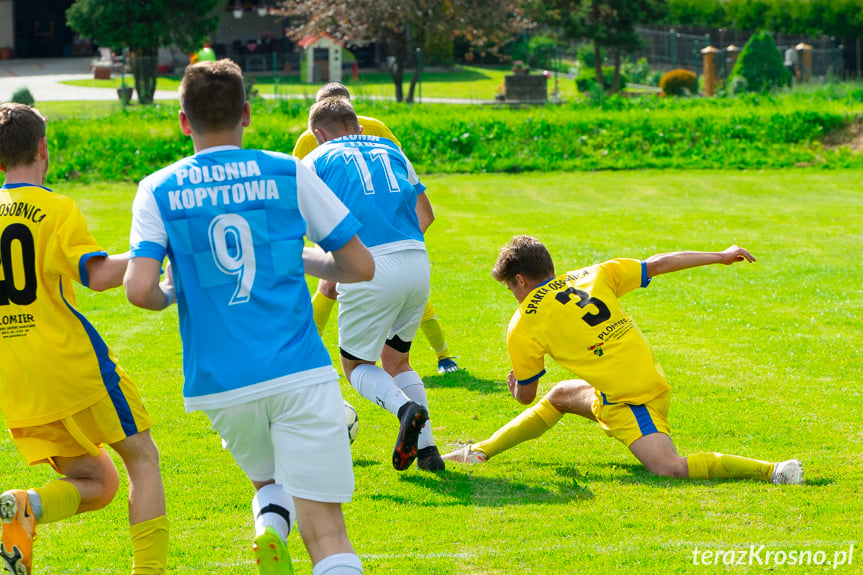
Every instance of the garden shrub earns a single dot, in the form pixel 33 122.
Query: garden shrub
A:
pixel 761 65
pixel 23 96
pixel 679 82
pixel 542 49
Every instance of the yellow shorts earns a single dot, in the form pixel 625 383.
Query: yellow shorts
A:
pixel 118 415
pixel 628 422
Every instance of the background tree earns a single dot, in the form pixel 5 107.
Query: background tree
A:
pixel 706 13
pixel 760 66
pixel 144 27
pixel 405 25
pixel 608 24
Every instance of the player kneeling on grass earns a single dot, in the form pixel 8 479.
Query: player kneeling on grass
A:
pixel 576 319
pixel 233 223
pixel 62 393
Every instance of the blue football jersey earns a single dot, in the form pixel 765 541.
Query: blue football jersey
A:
pixel 378 184
pixel 232 222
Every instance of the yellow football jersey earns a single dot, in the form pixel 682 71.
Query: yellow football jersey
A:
pixel 371 127
pixel 577 319
pixel 53 363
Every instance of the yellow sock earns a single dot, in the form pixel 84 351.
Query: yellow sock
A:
pixel 150 546
pixel 60 500
pixel 530 424
pixel 433 332
pixel 720 466
pixel 321 308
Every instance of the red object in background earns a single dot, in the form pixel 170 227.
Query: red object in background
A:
pixel 355 71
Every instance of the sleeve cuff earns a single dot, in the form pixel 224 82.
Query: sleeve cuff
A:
pixel 341 234
pixel 645 279
pixel 82 266
pixel 530 380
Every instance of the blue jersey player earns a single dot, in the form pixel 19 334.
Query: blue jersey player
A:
pixel 232 223
pixel 379 319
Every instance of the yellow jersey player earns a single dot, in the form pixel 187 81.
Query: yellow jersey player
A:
pixel 325 296
pixel 63 410
pixel 576 319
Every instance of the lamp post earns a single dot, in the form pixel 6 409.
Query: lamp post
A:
pixel 420 73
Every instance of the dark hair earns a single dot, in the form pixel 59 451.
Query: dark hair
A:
pixel 332 90
pixel 212 95
pixel 21 128
pixel 334 115
pixel 523 255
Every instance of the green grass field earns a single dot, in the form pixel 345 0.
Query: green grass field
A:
pixel 764 361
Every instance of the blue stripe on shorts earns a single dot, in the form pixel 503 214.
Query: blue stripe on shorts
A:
pixel 642 416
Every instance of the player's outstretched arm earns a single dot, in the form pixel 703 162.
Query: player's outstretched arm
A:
pixel 106 272
pixel 676 261
pixel 351 263
pixel 142 284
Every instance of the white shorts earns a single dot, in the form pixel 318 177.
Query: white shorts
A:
pixel 389 305
pixel 297 438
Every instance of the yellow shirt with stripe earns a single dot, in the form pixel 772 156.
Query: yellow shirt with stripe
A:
pixel 371 127
pixel 53 363
pixel 577 320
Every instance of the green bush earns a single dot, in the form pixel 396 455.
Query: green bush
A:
pixel 542 49
pixel 23 96
pixel 637 72
pixel 587 78
pixel 760 66
pixel 613 132
pixel 679 82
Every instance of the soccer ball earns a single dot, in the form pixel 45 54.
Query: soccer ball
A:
pixel 352 420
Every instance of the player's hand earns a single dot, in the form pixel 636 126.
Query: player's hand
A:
pixel 736 254
pixel 511 383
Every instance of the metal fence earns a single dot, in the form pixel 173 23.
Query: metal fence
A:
pixel 674 49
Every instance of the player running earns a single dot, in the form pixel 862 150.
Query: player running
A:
pixel 577 320
pixel 62 394
pixel 379 319
pixel 325 297
pixel 232 222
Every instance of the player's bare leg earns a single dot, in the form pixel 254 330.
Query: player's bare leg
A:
pixel 658 454
pixel 322 527
pixel 656 451
pixel 573 396
pixel 148 522
pixel 570 396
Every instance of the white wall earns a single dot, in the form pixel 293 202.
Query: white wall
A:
pixel 7 33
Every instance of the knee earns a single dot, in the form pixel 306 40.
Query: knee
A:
pixel 566 392
pixel 107 482
pixel 672 467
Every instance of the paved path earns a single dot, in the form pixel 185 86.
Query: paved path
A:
pixel 43 78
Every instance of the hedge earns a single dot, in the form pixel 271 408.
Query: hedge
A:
pixel 650 132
